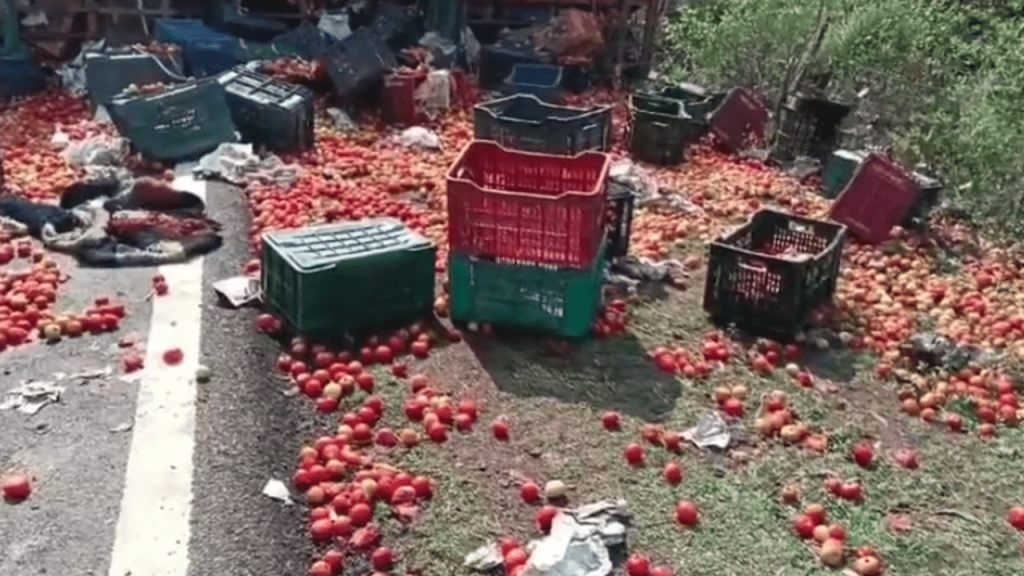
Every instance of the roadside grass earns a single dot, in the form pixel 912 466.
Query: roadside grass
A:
pixel 956 501
pixel 939 81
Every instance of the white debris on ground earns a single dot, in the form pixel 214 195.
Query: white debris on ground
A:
pixel 576 546
pixel 238 290
pixel 240 165
pixel 277 490
pixel 341 120
pixel 639 181
pixel 31 397
pixel 419 137
pixel 629 272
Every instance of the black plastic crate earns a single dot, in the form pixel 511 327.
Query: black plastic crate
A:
pixel 931 192
pixel 305 40
pixel 360 61
pixel 107 75
pixel 524 122
pixel 771 273
pixel 619 218
pixel 497 61
pixel 542 80
pixel 660 130
pixel 697 101
pixel 395 25
pixel 270 112
pixel 232 19
pixel 182 123
pixel 808 127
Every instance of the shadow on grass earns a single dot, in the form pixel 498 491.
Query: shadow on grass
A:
pixel 612 374
pixel 839 366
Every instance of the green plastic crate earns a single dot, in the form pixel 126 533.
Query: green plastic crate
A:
pixel 348 279
pixel 183 123
pixel 839 170
pixel 563 302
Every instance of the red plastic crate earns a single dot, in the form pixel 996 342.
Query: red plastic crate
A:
pixel 524 207
pixel 739 116
pixel 879 196
pixel 398 98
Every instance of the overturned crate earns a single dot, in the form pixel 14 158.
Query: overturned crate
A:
pixel 107 75
pixel 181 123
pixel 205 51
pixel 524 122
pixel 808 127
pixel 838 170
pixel 770 274
pixel 880 195
pixel 359 62
pixel 741 120
pixel 348 279
pixel 269 112
pixel 497 62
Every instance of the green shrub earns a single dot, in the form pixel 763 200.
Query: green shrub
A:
pixel 945 77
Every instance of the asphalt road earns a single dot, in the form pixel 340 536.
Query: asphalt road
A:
pixel 77 449
pixel 246 431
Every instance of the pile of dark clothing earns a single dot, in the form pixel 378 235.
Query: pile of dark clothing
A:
pixel 108 223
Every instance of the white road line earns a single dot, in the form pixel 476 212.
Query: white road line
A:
pixel 152 534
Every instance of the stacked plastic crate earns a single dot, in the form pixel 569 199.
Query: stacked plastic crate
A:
pixel 524 122
pixel 527 238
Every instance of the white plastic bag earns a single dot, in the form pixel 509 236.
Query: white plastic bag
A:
pixel 335 25
pixel 433 96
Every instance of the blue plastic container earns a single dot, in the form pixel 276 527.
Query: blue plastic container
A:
pixel 20 76
pixel 542 80
pixel 206 52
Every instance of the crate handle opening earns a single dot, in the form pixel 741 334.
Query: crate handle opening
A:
pixel 800 227
pixel 753 266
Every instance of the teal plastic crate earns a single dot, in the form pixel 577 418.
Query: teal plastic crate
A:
pixel 183 123
pixel 347 279
pixel 839 170
pixel 562 302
